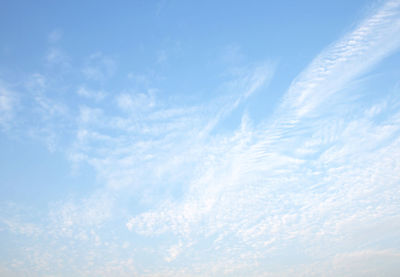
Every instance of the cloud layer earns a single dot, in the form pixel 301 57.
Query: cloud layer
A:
pixel 311 190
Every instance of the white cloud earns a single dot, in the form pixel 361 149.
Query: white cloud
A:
pixel 99 67
pixel 162 56
pixel 136 101
pixel 56 56
pixel 89 116
pixel 307 182
pixel 232 55
pixel 369 262
pixel 74 219
pixel 55 36
pixel 291 180
pixel 91 94
pixel 8 104
pixel 373 39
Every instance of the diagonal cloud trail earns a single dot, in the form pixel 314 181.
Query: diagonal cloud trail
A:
pixel 252 190
pixel 375 38
pixel 318 179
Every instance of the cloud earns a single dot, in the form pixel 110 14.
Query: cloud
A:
pixel 72 219
pixel 371 41
pixel 55 36
pixel 232 55
pixel 369 262
pixel 311 190
pixel 56 56
pixel 8 104
pixel 99 67
pixel 162 56
pixel 136 101
pixel 128 159
pixel 46 117
pixel 290 179
pixel 96 95
pixel 14 219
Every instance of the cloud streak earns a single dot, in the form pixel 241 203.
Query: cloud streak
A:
pixel 264 188
pixel 318 179
pixel 373 39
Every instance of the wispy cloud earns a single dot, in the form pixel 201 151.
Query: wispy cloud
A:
pixel 265 186
pixel 55 36
pixel 72 219
pixel 96 95
pixel 318 179
pixel 8 103
pixel 135 102
pixel 57 57
pixel 99 67
pixel 372 40
pixel 165 148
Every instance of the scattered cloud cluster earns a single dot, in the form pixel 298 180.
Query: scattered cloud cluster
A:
pixel 8 104
pixel 312 190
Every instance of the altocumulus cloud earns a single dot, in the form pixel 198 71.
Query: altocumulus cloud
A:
pixel 311 190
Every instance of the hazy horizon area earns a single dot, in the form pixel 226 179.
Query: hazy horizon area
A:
pixel 200 138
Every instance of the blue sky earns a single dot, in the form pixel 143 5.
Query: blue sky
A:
pixel 211 138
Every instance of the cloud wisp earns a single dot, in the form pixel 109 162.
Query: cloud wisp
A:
pixel 372 40
pixel 318 179
pixel 290 180
pixel 8 103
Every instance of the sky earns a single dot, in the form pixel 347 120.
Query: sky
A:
pixel 200 138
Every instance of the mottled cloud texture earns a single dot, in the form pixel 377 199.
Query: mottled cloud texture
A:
pixel 313 189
